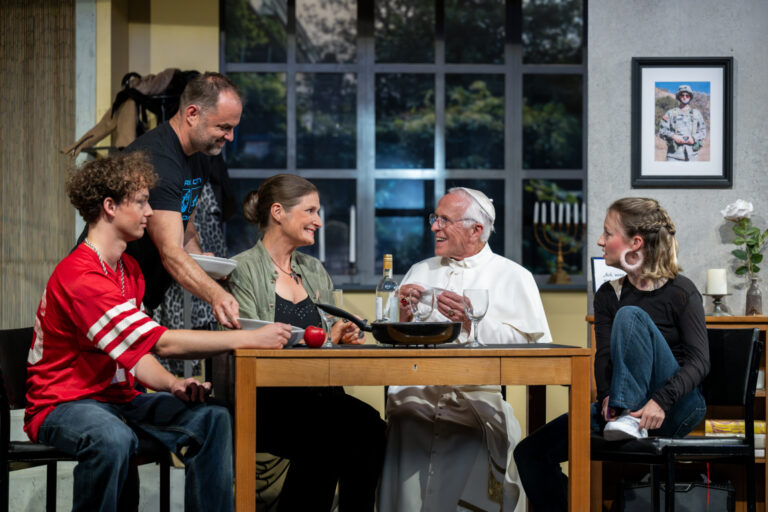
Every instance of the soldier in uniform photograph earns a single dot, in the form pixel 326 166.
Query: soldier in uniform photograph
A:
pixel 683 128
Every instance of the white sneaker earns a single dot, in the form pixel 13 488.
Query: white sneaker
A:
pixel 625 427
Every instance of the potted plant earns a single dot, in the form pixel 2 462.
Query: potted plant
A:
pixel 750 244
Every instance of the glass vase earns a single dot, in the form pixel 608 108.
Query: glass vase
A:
pixel 754 298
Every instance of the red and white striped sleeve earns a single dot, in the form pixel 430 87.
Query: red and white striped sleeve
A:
pixel 113 323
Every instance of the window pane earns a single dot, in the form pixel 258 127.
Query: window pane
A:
pixel 405 121
pixel 474 122
pixel 336 197
pixel 540 257
pixel 405 31
pixel 259 140
pixel 255 30
pixel 552 31
pixel 326 31
pixel 494 189
pixel 552 121
pixel 402 207
pixel 474 31
pixel 326 120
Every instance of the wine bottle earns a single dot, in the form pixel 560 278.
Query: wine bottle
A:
pixel 386 306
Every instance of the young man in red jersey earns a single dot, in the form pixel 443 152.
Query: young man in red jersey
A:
pixel 92 340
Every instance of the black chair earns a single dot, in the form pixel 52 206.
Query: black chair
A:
pixel 14 347
pixel 735 360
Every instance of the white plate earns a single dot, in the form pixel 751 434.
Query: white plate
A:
pixel 297 333
pixel 215 267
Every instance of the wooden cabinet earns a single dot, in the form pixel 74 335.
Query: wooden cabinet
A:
pixel 761 406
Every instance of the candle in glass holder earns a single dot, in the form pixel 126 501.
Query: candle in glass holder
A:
pixel 717 283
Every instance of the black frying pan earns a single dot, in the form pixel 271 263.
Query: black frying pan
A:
pixel 401 333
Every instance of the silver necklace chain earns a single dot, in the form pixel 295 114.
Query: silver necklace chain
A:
pixel 104 267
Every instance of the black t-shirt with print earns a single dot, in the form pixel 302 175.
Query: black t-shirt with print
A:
pixel 181 180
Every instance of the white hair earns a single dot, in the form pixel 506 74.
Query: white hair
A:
pixel 475 213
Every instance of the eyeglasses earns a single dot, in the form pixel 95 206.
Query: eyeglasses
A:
pixel 444 221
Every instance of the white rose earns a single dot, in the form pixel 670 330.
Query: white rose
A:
pixel 738 210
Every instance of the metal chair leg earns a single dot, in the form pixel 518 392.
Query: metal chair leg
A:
pixel 654 489
pixel 670 501
pixel 50 486
pixel 751 491
pixel 165 485
pixel 4 477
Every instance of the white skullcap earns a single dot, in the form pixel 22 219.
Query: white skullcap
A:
pixel 482 200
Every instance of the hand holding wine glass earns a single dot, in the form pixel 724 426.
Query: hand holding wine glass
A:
pixel 476 306
pixel 333 298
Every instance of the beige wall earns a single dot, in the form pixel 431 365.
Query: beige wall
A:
pixel 148 36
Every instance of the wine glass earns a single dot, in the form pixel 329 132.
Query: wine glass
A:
pixel 422 303
pixel 333 298
pixel 475 306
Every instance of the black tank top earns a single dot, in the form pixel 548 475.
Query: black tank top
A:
pixel 302 314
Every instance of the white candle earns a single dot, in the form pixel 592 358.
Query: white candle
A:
pixel 536 212
pixel 321 241
pixel 543 213
pixel 567 213
pixel 352 235
pixel 552 211
pixel 717 284
pixel 576 214
pixel 560 213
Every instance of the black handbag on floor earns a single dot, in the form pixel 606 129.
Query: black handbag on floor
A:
pixel 689 496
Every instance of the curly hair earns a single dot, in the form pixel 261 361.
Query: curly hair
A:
pixel 648 219
pixel 286 189
pixel 117 177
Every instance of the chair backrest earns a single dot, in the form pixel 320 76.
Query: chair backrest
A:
pixel 14 349
pixel 734 356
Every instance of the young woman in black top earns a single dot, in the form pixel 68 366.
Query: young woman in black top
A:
pixel 652 350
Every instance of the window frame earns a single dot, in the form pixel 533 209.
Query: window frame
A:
pixel 365 68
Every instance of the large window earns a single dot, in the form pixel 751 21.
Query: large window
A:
pixel 386 104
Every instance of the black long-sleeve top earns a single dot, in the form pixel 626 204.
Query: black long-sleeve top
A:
pixel 676 309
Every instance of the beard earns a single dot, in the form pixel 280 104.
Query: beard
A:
pixel 204 144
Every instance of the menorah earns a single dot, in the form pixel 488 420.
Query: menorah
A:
pixel 552 236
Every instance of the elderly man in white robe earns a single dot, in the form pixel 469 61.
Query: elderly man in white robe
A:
pixel 450 447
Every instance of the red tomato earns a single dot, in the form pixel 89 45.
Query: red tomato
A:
pixel 314 336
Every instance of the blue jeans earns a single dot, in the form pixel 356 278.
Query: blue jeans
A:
pixel 103 439
pixel 642 363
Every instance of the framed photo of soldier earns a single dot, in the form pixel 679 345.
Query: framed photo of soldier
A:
pixel 682 122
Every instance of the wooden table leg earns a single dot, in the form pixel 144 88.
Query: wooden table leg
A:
pixel 578 426
pixel 245 434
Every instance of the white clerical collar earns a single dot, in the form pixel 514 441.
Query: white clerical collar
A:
pixel 473 261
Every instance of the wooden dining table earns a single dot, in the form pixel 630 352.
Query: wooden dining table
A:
pixel 374 365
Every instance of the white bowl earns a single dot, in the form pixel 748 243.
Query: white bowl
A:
pixel 217 268
pixel 248 324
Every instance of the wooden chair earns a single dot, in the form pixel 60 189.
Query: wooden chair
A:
pixel 14 347
pixel 735 360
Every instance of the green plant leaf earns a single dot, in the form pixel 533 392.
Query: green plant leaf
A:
pixel 755 269
pixel 739 241
pixel 753 231
pixel 739 253
pixel 741 270
pixel 757 258
pixel 739 230
pixel 751 242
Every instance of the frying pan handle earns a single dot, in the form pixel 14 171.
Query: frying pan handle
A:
pixel 333 310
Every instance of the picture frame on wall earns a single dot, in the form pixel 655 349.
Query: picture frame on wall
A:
pixel 682 110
